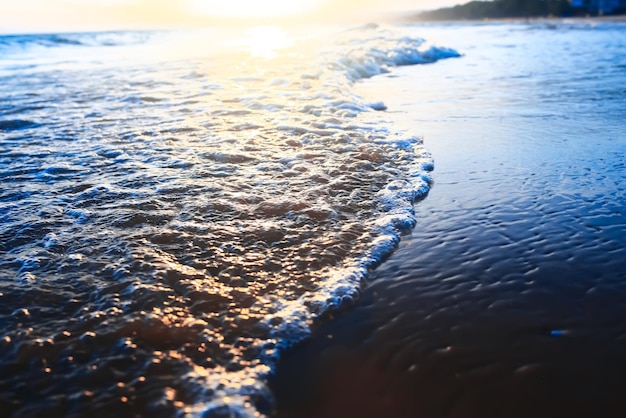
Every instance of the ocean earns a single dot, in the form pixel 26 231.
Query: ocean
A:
pixel 180 209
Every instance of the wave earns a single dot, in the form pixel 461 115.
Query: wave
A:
pixel 357 54
pixel 10 44
pixel 201 229
pixel 381 50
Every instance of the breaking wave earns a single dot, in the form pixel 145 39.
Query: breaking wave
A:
pixel 170 229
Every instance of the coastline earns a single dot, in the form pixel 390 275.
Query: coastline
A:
pixel 502 300
pixel 513 271
pixel 580 19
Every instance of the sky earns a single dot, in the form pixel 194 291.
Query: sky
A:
pixel 19 16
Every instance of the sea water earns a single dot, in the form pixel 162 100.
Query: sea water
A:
pixel 508 298
pixel 177 207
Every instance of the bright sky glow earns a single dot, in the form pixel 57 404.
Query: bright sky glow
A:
pixel 78 15
pixel 252 8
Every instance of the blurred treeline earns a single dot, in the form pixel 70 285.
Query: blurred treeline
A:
pixel 502 9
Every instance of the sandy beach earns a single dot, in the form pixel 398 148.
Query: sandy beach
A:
pixel 181 209
pixel 506 299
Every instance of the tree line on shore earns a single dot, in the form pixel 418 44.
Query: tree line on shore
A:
pixel 497 9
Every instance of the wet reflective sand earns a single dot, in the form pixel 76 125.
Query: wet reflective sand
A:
pixel 508 299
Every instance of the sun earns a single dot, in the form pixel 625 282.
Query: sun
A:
pixel 253 9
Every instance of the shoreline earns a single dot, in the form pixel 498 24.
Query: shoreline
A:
pixel 588 19
pixel 501 302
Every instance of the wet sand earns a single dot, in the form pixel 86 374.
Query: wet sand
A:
pixel 508 298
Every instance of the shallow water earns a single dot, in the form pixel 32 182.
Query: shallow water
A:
pixel 176 207
pixel 508 297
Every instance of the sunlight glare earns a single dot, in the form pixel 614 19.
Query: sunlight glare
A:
pixel 252 8
pixel 265 41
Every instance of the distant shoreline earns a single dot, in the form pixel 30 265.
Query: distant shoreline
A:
pixel 607 18
pixel 525 10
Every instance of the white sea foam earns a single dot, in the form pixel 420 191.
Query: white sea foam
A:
pixel 219 202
